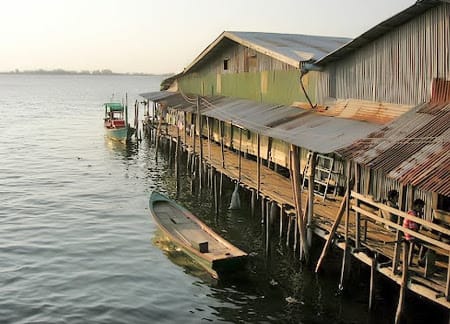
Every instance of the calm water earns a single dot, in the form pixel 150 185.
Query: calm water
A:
pixel 77 244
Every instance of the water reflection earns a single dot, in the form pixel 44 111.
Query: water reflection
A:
pixel 126 150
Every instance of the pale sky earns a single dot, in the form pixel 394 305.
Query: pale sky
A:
pixel 156 36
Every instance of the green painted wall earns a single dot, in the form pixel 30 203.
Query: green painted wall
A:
pixel 280 87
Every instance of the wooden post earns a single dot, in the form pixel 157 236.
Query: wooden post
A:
pixel 200 165
pixel 185 128
pixel 281 220
pixel 268 225
pixel 253 202
pixel 216 191
pixel 447 287
pixel 373 270
pixel 311 176
pixel 262 210
pixel 294 169
pixel 258 162
pixel 222 146
pixel 401 298
pixel 240 154
pixel 332 231
pixel 399 235
pixel 269 150
pixel 357 215
pixel 347 219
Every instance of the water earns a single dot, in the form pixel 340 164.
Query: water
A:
pixel 77 244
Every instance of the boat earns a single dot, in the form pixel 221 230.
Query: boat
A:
pixel 116 122
pixel 212 252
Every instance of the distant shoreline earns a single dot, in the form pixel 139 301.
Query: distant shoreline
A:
pixel 93 73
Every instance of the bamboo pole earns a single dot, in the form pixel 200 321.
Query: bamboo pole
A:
pixel 347 219
pixel 297 198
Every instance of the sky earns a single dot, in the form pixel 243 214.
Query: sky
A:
pixel 162 36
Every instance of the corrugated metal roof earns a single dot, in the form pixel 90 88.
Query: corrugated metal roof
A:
pixel 379 30
pixel 414 149
pixel 304 128
pixel 288 48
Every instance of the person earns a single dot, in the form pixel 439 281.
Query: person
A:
pixel 417 211
pixel 393 203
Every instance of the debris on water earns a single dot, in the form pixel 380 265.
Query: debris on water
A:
pixel 253 254
pixel 273 283
pixel 224 231
pixel 291 300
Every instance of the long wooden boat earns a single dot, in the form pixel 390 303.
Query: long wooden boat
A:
pixel 115 122
pixel 212 252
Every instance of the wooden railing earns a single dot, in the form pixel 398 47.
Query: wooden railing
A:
pixel 371 213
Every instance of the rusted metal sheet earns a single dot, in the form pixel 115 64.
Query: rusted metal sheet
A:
pixel 304 128
pixel 414 149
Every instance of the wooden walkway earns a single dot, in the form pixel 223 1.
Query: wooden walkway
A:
pixel 377 242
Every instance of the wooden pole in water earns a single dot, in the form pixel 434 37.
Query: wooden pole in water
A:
pixel 401 298
pixel 253 202
pixel 222 148
pixel 399 234
pixel 258 162
pixel 373 270
pixel 295 172
pixel 240 154
pixel 357 215
pixel 347 219
pixel 311 176
pixel 200 165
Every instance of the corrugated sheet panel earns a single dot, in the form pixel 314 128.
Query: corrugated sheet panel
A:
pixel 304 128
pixel 287 48
pixel 414 149
pixel 382 28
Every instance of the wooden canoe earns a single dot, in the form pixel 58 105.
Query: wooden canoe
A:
pixel 207 248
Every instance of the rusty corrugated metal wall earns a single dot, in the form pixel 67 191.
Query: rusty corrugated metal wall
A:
pixel 396 68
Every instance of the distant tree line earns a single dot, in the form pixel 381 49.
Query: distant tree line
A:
pixel 69 72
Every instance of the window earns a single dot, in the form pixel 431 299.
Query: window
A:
pixel 225 64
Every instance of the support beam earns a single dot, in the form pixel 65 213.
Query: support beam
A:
pixel 258 162
pixel 295 173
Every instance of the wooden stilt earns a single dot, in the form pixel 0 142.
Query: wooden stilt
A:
pixel 216 191
pixel 281 220
pixel 263 210
pixel 373 270
pixel 253 202
pixel 399 234
pixel 295 173
pixel 404 282
pixel 200 140
pixel 311 176
pixel 221 185
pixel 267 223
pixel 222 143
pixel 345 256
pixel 357 215
pixel 258 162
pixel 240 154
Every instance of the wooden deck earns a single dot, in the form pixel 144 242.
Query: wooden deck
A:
pixel 376 240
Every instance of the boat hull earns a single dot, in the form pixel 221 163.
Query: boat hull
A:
pixel 118 134
pixel 219 259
